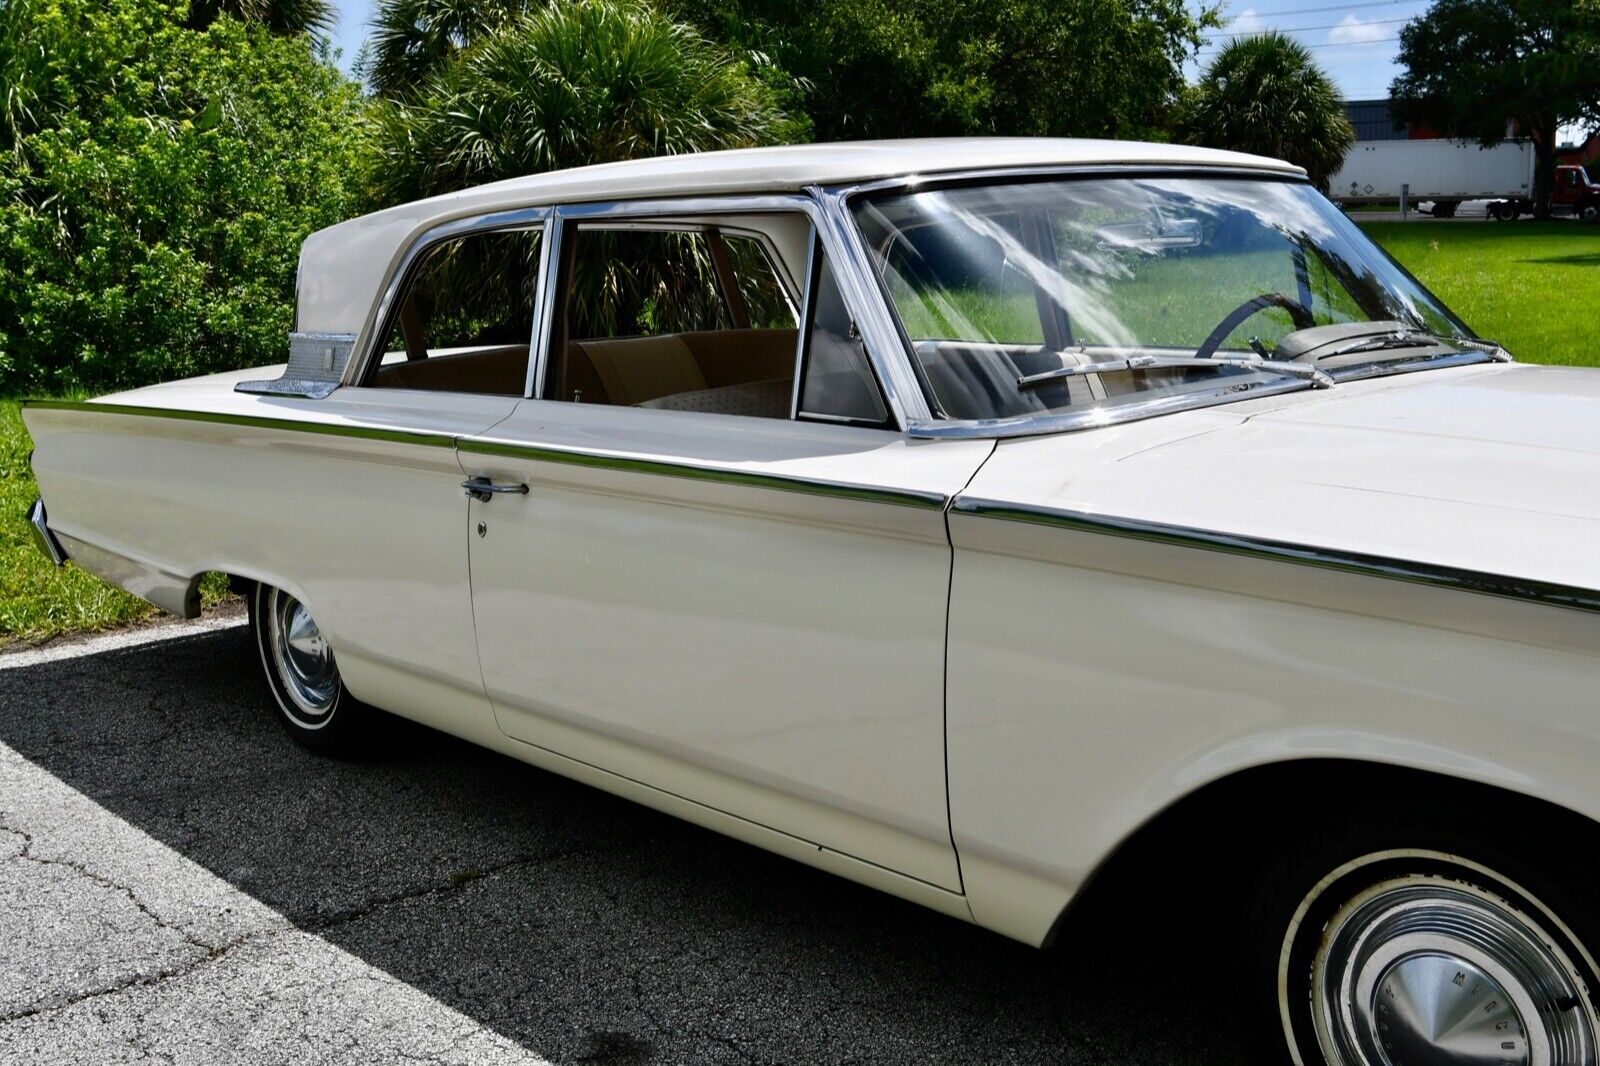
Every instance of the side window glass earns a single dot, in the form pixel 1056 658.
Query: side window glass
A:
pixel 674 317
pixel 464 320
pixel 836 380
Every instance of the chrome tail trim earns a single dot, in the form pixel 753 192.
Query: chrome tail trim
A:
pixel 1569 596
pixel 39 522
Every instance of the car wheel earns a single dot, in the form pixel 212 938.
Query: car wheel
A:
pixel 1405 944
pixel 313 704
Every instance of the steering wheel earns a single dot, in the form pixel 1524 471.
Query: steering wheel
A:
pixel 1297 311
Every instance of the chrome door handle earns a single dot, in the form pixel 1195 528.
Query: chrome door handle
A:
pixel 481 488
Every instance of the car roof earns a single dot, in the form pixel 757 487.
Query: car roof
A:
pixel 342 266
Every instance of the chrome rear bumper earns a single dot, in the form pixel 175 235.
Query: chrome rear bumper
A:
pixel 42 536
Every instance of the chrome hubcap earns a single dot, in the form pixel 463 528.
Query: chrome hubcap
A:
pixel 1427 971
pixel 303 659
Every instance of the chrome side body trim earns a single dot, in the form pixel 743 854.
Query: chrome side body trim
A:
pixel 779 482
pixel 46 541
pixel 473 445
pixel 1489 584
pixel 436 440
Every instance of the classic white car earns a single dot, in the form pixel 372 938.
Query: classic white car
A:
pixel 953 516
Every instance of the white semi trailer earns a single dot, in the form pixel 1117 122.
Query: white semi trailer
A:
pixel 1443 171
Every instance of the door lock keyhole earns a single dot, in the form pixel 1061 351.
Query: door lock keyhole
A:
pixel 483 529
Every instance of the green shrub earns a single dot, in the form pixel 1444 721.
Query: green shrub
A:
pixel 155 186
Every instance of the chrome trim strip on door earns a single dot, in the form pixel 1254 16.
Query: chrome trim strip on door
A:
pixel 1449 577
pixel 780 482
pixel 331 429
pixel 508 449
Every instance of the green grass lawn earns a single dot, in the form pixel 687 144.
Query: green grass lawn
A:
pixel 1535 287
pixel 1532 286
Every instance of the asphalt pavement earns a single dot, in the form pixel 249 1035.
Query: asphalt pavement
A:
pixel 180 883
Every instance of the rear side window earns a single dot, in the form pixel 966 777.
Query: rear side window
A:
pixel 464 318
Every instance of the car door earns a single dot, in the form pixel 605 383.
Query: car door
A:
pixel 727 578
pixel 450 359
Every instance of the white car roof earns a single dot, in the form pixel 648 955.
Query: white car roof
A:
pixel 341 267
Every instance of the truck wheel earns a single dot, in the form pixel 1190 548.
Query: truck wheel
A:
pixel 1445 208
pixel 312 703
pixel 1502 211
pixel 1590 212
pixel 1405 933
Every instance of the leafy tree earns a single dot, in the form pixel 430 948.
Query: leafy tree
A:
pixel 1472 65
pixel 155 188
pixel 412 39
pixel 279 16
pixel 1264 94
pixel 583 81
pixel 898 68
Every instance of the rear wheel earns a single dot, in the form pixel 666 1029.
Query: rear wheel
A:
pixel 1397 940
pixel 312 702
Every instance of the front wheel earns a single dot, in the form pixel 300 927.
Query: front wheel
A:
pixel 1404 944
pixel 313 705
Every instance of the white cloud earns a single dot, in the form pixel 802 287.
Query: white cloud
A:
pixel 1352 30
pixel 1246 23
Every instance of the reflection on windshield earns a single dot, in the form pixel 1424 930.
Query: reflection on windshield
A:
pixel 999 283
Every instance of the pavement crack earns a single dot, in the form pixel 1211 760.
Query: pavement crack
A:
pixel 26 855
pixel 171 973
pixel 455 883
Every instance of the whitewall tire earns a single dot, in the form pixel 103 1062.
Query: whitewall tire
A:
pixel 302 675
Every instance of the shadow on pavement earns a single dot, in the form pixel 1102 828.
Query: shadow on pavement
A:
pixel 584 927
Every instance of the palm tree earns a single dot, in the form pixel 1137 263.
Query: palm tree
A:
pixel 1266 95
pixel 279 16
pixel 583 81
pixel 411 39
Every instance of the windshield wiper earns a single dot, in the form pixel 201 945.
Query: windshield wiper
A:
pixel 1400 338
pixel 1135 363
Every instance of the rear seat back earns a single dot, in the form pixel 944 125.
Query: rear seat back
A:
pixel 628 371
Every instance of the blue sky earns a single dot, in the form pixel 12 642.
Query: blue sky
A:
pixel 1355 42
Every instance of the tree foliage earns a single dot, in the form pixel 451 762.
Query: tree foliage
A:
pixel 1266 95
pixel 580 82
pixel 413 39
pixel 155 186
pixel 1472 65
pixel 279 16
pixel 905 68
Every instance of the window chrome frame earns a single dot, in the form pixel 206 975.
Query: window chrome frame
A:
pixel 369 344
pixel 825 226
pixel 926 426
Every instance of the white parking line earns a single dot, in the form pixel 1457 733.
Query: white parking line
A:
pixel 115 948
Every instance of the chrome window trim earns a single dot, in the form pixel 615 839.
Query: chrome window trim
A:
pixel 369 341
pixel 805 317
pixel 825 226
pixel 1571 597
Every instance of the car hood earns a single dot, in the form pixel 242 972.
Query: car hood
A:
pixel 1490 468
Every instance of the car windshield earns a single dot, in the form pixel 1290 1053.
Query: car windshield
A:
pixel 1046 296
